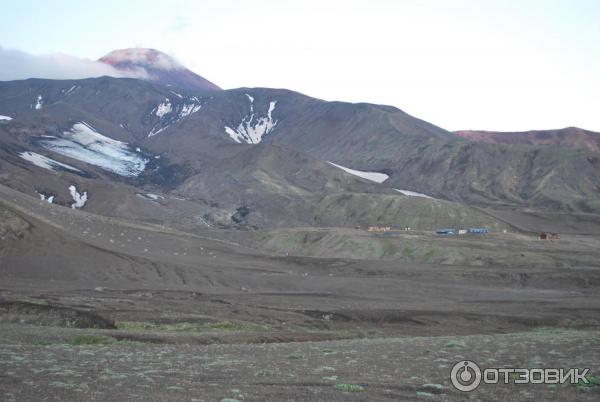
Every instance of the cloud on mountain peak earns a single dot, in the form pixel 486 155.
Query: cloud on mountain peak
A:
pixel 17 65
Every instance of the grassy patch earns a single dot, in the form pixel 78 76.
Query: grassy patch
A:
pixel 593 381
pixel 455 344
pixel 227 326
pixel 296 356
pixel 265 373
pixel 89 340
pixel 408 251
pixel 349 387
pixel 150 326
pixel 556 334
pixel 134 325
pixel 428 255
pixel 188 326
pixel 60 384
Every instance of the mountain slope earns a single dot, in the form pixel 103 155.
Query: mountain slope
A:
pixel 116 142
pixel 214 148
pixel 570 137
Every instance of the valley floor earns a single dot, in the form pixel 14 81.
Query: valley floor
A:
pixel 96 308
pixel 411 368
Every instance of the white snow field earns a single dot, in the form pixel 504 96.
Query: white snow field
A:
pixel 414 194
pixel 45 162
pixel 373 176
pixel 85 144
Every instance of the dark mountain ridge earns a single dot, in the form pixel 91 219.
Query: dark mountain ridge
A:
pixel 266 149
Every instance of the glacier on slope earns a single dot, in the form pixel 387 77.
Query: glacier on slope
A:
pixel 85 144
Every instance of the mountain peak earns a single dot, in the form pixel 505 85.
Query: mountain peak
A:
pixel 157 66
pixel 141 57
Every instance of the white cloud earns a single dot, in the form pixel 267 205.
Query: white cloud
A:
pixel 17 65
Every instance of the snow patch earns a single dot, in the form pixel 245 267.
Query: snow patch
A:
pixel 85 144
pixel 39 102
pixel 203 221
pixel 71 90
pixel 414 194
pixel 43 197
pixel 252 129
pixel 373 176
pixel 188 109
pixel 7 118
pixel 45 162
pixel 170 114
pixel 157 130
pixel 251 99
pixel 163 108
pixel 79 199
pixel 150 196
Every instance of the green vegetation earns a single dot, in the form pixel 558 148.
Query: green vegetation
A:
pixel 349 388
pixel 548 332
pixel 428 255
pixel 226 326
pixel 150 326
pixel 433 386
pixel 188 326
pixel 66 385
pixel 34 302
pixel 296 356
pixel 408 251
pixel 89 340
pixel 455 344
pixel 265 373
pixel 593 381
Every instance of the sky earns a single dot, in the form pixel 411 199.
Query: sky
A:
pixel 504 65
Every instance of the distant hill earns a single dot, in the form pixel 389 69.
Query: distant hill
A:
pixel 570 137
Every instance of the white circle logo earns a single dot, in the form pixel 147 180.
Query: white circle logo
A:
pixel 465 375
